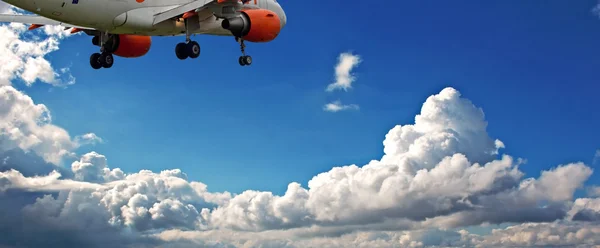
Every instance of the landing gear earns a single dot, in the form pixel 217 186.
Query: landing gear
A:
pixel 244 59
pixel 190 48
pixel 98 60
pixel 104 58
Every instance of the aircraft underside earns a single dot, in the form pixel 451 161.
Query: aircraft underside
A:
pixel 129 33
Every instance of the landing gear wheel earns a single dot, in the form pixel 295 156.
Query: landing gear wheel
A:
pixel 95 61
pixel 107 60
pixel 193 49
pixel 245 60
pixel 96 41
pixel 181 51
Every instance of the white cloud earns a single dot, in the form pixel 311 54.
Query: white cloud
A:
pixel 596 157
pixel 93 167
pixel 521 235
pixel 24 58
pixel 337 106
pixel 88 138
pixel 594 191
pixel 545 235
pixel 13 179
pixel 596 9
pixel 28 126
pixel 440 173
pixel 343 72
pixel 141 201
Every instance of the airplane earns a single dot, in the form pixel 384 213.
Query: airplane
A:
pixel 124 27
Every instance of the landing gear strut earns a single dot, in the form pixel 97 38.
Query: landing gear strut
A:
pixel 190 48
pixel 244 59
pixel 104 58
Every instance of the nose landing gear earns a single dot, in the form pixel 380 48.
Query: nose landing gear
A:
pixel 244 60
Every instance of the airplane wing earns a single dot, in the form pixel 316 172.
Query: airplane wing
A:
pixel 193 8
pixel 37 21
pixel 180 10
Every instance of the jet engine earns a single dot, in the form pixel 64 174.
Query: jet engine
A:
pixel 127 46
pixel 255 25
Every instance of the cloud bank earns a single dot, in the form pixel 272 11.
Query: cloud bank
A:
pixel 437 176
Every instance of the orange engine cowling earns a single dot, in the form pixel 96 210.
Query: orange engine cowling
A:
pixel 130 46
pixel 255 25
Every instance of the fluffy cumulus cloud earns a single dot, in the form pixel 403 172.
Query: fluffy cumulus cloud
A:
pixel 28 126
pixel 343 72
pixel 337 106
pixel 22 53
pixel 437 176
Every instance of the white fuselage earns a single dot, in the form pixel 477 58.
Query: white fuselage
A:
pixel 133 17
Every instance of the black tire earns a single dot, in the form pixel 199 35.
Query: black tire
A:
pixel 247 60
pixel 241 61
pixel 96 41
pixel 193 49
pixel 181 51
pixel 95 61
pixel 107 60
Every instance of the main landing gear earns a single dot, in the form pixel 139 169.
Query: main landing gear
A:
pixel 104 58
pixel 190 48
pixel 244 59
pixel 99 60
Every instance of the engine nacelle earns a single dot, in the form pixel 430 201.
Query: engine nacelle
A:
pixel 255 25
pixel 129 46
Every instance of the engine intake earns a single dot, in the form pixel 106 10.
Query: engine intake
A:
pixel 255 25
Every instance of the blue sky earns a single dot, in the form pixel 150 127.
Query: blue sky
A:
pixel 531 67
